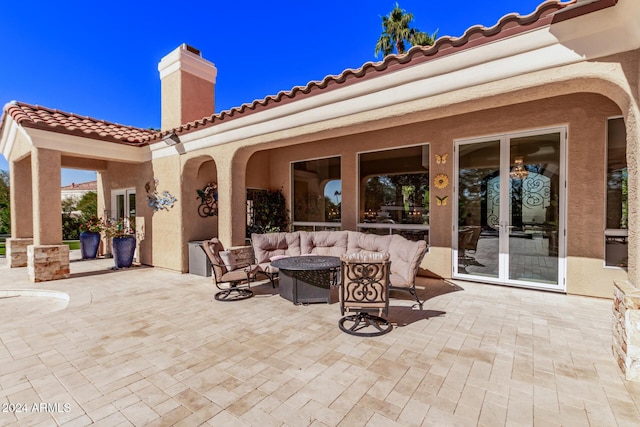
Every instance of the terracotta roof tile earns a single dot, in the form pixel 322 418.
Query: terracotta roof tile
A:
pixel 507 26
pixel 38 117
pixel 89 186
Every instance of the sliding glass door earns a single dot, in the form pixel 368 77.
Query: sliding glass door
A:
pixel 510 198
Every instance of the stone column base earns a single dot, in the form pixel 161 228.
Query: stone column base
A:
pixel 626 329
pixel 16 250
pixel 48 262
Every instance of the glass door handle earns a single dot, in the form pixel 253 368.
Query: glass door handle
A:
pixel 506 227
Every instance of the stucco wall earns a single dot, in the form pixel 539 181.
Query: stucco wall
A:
pixel 21 199
pixel 197 174
pixel 259 170
pixel 584 114
pixel 165 231
pixel 118 176
pixel 197 98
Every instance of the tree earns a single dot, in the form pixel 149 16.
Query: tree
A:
pixel 5 203
pixel 88 204
pixel 397 33
pixel 68 205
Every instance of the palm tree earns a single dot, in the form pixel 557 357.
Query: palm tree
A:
pixel 396 32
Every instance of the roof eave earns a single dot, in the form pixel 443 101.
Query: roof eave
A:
pixel 527 52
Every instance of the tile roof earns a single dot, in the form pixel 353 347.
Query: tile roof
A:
pixel 38 117
pixel 507 26
pixel 90 186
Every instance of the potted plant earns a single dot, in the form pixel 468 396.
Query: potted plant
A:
pixel 90 237
pixel 123 241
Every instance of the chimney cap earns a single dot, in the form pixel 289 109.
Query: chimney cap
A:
pixel 192 49
pixel 187 58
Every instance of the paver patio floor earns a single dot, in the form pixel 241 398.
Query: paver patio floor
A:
pixel 150 347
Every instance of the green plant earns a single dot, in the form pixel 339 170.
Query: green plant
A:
pixel 270 213
pixel 5 203
pixel 93 224
pixel 88 205
pixel 118 228
pixel 70 226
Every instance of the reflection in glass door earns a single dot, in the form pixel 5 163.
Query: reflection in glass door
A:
pixel 509 210
pixel 479 209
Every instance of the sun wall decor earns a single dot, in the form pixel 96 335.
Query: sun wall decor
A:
pixel 441 181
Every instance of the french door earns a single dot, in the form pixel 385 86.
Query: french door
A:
pixel 510 198
pixel 123 203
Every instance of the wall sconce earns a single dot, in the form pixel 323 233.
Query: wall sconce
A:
pixel 171 139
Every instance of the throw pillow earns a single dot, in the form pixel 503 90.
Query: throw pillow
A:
pixel 229 260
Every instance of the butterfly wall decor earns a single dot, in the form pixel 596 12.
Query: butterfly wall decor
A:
pixel 442 201
pixel 441 159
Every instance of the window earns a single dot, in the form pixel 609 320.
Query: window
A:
pixel 617 205
pixel 317 192
pixel 123 205
pixel 394 191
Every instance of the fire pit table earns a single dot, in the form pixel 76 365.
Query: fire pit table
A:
pixel 307 279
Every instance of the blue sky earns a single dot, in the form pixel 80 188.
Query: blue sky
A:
pixel 101 61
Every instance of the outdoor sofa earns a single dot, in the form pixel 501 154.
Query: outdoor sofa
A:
pixel 405 255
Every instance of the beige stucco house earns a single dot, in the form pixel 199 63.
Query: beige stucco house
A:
pixel 75 191
pixel 513 150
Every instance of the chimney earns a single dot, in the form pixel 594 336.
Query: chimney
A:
pixel 188 87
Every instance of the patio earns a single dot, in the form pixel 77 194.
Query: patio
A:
pixel 146 346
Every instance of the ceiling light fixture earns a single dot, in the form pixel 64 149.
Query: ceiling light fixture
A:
pixel 518 171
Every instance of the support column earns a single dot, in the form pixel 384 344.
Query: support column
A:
pixel 349 204
pixel 165 229
pixel 21 213
pixel 626 329
pixel 232 199
pixel 47 258
pixel 626 306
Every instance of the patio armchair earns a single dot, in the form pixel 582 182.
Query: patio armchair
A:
pixel 405 257
pixel 232 276
pixel 468 237
pixel 471 243
pixel 364 290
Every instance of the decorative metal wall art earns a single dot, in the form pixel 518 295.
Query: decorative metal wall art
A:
pixel 208 200
pixel 156 201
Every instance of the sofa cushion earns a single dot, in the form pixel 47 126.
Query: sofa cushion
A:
pixel 406 256
pixel 266 246
pixel 332 243
pixel 367 243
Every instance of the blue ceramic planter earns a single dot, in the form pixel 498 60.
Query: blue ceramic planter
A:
pixel 89 244
pixel 123 249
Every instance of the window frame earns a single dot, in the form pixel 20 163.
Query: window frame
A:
pixel 314 225
pixel 620 233
pixel 391 227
